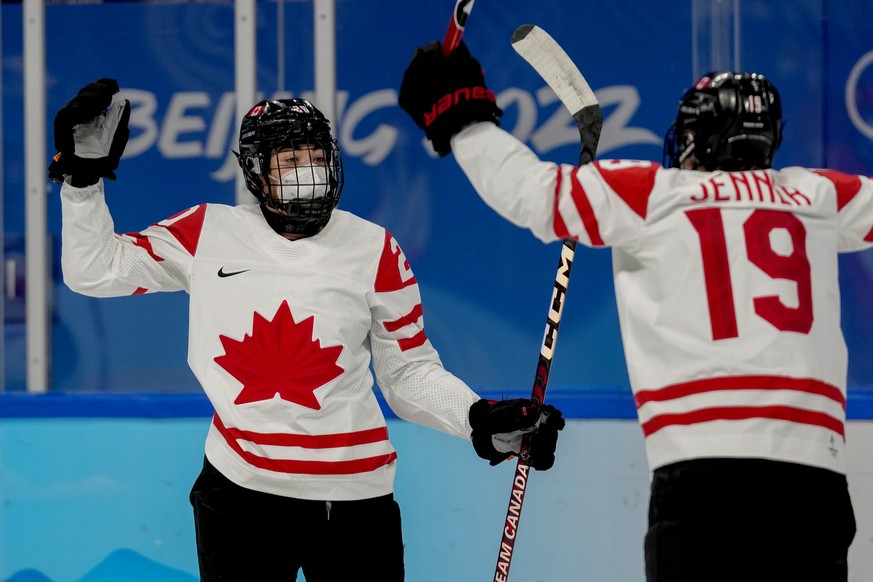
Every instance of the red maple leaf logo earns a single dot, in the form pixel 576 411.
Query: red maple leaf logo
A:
pixel 280 357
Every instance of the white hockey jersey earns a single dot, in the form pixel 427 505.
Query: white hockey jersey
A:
pixel 726 286
pixel 281 335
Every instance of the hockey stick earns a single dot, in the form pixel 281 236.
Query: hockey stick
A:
pixel 456 26
pixel 541 51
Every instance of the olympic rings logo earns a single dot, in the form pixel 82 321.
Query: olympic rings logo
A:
pixel 851 95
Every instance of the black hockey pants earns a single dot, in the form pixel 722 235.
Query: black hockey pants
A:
pixel 748 520
pixel 250 536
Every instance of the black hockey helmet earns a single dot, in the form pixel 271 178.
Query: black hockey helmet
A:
pixel 289 123
pixel 727 120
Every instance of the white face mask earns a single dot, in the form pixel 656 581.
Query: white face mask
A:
pixel 304 182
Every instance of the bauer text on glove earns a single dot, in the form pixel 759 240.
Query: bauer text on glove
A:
pixel 443 94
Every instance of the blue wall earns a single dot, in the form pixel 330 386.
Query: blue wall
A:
pixel 101 496
pixel 94 488
pixel 481 278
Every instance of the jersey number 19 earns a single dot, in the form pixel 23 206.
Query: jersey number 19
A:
pixel 793 266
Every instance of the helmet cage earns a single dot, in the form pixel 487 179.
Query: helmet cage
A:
pixel 274 125
pixel 729 121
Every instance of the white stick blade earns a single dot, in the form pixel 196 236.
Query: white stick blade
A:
pixel 539 49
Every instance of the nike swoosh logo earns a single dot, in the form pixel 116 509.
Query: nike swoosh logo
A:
pixel 223 273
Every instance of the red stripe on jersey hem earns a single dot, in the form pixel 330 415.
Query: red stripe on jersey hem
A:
pixel 586 211
pixel 308 441
pixel 676 391
pixel 729 413
pixel 293 466
pixel 140 291
pixel 869 237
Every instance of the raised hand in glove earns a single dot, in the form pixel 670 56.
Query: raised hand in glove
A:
pixel 443 94
pixel 90 135
pixel 499 427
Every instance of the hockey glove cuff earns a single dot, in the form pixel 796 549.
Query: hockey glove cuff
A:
pixel 443 94
pixel 500 426
pixel 544 440
pixel 91 132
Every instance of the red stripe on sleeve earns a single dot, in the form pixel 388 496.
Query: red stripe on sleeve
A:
pixel 411 317
pixel 412 342
pixel 560 226
pixel 143 242
pixel 583 206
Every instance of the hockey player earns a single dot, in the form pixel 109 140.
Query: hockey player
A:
pixel 725 275
pixel 291 301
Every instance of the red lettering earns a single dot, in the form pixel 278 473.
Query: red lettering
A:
pixel 430 116
pixel 764 184
pixel 748 187
pixel 460 95
pixel 797 196
pixel 443 104
pixel 703 194
pixel 780 194
pixel 741 182
pixel 717 186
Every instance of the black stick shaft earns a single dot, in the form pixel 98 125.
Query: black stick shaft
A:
pixel 538 395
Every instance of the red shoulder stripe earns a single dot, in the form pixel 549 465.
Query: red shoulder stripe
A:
pixel 394 272
pixel 186 227
pixel 847 185
pixel 633 184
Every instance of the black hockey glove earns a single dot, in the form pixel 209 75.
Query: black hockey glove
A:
pixel 545 439
pixel 444 94
pixel 500 426
pixel 90 135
